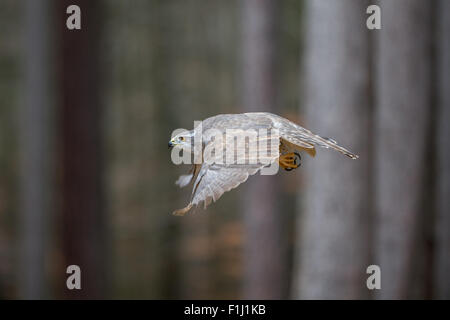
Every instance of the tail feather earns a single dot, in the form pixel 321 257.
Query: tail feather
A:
pixel 330 143
pixel 304 138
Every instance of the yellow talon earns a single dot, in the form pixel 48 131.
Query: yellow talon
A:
pixel 289 161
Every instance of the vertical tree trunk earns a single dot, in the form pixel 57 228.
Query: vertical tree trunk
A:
pixel 402 116
pixel 442 261
pixel 333 238
pixel 35 153
pixel 83 216
pixel 265 248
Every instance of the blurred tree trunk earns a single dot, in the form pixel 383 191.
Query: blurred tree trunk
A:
pixel 442 226
pixel 195 257
pixel 35 151
pixel 404 101
pixel 333 233
pixel 83 216
pixel 265 248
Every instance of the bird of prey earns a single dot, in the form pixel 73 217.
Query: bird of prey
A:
pixel 212 179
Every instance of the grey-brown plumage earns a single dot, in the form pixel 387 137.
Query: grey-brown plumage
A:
pixel 211 180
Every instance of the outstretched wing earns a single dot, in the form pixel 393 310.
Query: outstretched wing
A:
pixel 214 180
pixel 217 177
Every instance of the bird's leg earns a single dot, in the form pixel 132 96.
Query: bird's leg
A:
pixel 290 161
pixel 182 212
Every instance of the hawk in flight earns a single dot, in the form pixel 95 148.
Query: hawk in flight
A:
pixel 212 178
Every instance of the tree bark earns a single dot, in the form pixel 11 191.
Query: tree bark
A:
pixel 333 236
pixel 265 249
pixel 404 99
pixel 35 152
pixel 82 207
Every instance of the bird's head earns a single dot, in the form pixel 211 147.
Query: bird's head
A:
pixel 182 140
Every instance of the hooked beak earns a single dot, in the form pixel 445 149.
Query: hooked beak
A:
pixel 171 144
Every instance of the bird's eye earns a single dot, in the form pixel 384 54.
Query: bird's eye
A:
pixel 181 138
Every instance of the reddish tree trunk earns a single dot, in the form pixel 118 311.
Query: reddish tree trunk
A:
pixel 82 209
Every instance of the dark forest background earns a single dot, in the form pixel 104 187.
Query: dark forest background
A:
pixel 86 177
